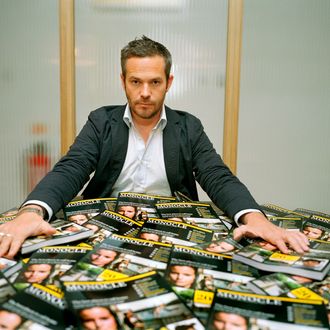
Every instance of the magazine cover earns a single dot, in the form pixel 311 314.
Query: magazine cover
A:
pixel 307 212
pixel 66 232
pixel 199 214
pixel 279 284
pixel 195 274
pixel 288 222
pixel 37 307
pixel 109 222
pixel 82 210
pixel 139 206
pixel 11 213
pixel 317 227
pixel 47 264
pixel 9 266
pixel 174 232
pixel 6 289
pixel 246 311
pixel 265 256
pixel 144 301
pixel 118 257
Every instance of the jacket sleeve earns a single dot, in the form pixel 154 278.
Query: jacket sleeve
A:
pixel 216 179
pixel 72 171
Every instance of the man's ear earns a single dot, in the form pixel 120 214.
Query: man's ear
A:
pixel 122 78
pixel 169 82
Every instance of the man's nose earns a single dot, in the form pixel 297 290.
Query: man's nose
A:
pixel 145 92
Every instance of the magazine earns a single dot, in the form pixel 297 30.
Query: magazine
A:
pixel 279 284
pixel 263 255
pixel 109 222
pixel 37 307
pixel 47 264
pixel 307 212
pixel 259 312
pixel 174 232
pixel 198 214
pixel 138 206
pixel 118 257
pixel 287 222
pixel 82 210
pixel 317 227
pixel 6 289
pixel 9 213
pixel 66 232
pixel 195 274
pixel 144 301
pixel 9 266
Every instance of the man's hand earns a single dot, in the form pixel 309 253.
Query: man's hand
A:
pixel 255 224
pixel 15 232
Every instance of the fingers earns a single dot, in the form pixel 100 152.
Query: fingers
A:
pixel 6 245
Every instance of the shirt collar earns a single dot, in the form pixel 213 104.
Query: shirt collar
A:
pixel 127 118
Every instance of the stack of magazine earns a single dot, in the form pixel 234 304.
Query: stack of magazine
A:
pixel 143 261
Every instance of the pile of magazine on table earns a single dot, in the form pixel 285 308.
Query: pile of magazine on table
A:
pixel 141 261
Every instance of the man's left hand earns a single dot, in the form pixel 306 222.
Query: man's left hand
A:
pixel 255 224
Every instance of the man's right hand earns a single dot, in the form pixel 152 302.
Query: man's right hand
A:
pixel 14 232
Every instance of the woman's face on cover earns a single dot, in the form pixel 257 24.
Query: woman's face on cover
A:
pixel 37 273
pixel 182 276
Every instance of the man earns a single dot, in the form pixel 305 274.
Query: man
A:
pixel 142 147
pixel 182 276
pixel 97 318
pixel 313 232
pixel 128 211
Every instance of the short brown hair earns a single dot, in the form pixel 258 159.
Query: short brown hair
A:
pixel 145 47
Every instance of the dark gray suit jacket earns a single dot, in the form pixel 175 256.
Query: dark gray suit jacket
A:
pixel 101 146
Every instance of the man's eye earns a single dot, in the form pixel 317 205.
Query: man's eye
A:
pixel 156 82
pixel 135 82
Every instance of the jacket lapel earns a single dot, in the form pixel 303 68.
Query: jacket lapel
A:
pixel 171 145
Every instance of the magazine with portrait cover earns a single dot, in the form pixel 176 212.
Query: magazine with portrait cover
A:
pixel 143 301
pixel 66 232
pixel 47 264
pixel 109 222
pixel 279 284
pixel 9 266
pixel 259 312
pixel 11 213
pixel 6 289
pixel 263 255
pixel 199 214
pixel 307 212
pixel 140 206
pixel 195 274
pixel 317 227
pixel 81 211
pixel 271 209
pixel 118 257
pixel 287 222
pixel 38 307
pixel 174 232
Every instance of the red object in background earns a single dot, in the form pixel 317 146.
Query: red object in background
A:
pixel 38 167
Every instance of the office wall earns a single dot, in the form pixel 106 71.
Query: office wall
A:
pixel 283 151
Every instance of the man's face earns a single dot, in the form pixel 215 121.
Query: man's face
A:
pixel 98 318
pixel 127 211
pixel 37 273
pixel 145 86
pixel 183 276
pixel 103 257
pixel 227 321
pixel 9 321
pixel 312 232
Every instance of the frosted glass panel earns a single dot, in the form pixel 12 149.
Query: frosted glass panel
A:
pixel 285 102
pixel 29 94
pixel 193 30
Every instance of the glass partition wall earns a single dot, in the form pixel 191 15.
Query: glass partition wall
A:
pixel 29 94
pixel 283 149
